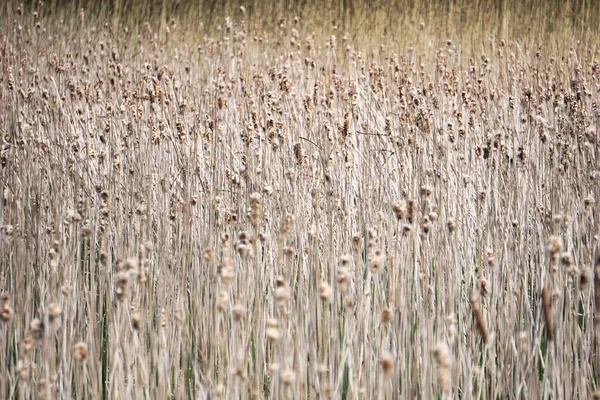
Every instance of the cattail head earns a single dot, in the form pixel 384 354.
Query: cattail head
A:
pixel 547 310
pixel 426 190
pixel 207 255
pixel 479 321
pixel 80 352
pixel 136 321
pixel 255 211
pixel 345 260
pixel 377 261
pixel 483 286
pixel 286 225
pixel 387 365
pixel 44 386
pixel 298 153
pixel 356 242
pixel 36 329
pixel 28 343
pixel 489 255
pixel 54 312
pixel 400 210
pixel 163 318
pixel 24 369
pixel 222 301
pixel 226 270
pixel 555 246
pixel 282 291
pixel 121 283
pixel 566 260
pixel 386 315
pixel 589 200
pixel 412 210
pixel 6 312
pixel 441 352
pixel 238 312
pixel 288 376
pixel 585 277
pixel 426 224
pixel 131 264
pixel 343 279
pixel 272 330
pixel 325 291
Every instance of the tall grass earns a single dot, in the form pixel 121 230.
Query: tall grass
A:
pixel 355 201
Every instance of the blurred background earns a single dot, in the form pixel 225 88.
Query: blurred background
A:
pixel 404 20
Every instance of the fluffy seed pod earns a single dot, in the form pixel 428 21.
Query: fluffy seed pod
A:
pixel 136 321
pixel 441 353
pixel 238 312
pixel 36 329
pixel 386 315
pixel 288 377
pixel 6 312
pixel 325 291
pixel 272 330
pixel 377 261
pixel 387 365
pixel 80 352
pixel 555 246
pixel 400 210
pixel 54 312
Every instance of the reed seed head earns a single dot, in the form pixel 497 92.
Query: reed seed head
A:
pixel 325 291
pixel 80 352
pixel 386 315
pixel 387 365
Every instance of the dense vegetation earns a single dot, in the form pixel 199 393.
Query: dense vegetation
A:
pixel 297 199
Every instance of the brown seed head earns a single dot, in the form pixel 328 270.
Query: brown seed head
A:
pixel 272 330
pixel 288 376
pixel 387 365
pixel 441 353
pixel 6 312
pixel 555 245
pixel 547 309
pixel 136 321
pixel 412 210
pixel 377 261
pixel 54 312
pixel 238 312
pixel 584 278
pixel 36 329
pixel 400 210
pixel 356 242
pixel 325 291
pixel 566 259
pixel 386 315
pixel 80 352
pixel 479 321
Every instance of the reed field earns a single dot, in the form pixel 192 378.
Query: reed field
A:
pixel 299 199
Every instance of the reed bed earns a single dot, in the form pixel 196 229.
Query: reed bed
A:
pixel 297 211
